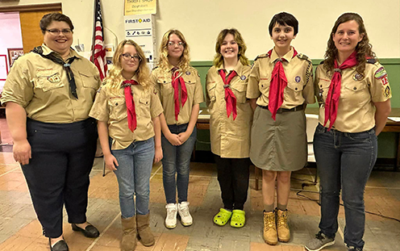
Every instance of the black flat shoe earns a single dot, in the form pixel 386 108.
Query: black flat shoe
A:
pixel 59 246
pixel 90 231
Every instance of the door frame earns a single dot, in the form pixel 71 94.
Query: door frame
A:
pixel 32 7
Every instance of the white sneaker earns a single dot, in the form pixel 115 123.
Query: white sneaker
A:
pixel 170 220
pixel 186 218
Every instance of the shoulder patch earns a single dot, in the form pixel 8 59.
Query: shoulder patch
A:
pixel 371 60
pixel 380 73
pixel 261 56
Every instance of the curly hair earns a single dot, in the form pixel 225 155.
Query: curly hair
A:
pixel 114 79
pixel 163 63
pixel 219 59
pixel 363 48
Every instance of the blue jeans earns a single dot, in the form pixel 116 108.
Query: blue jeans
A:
pixel 176 159
pixel 133 174
pixel 345 161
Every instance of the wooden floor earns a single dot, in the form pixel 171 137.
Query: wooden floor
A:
pixel 20 230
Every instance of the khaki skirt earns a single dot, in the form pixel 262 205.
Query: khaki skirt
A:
pixel 279 145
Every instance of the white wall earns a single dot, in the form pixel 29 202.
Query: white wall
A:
pixel 201 21
pixel 10 37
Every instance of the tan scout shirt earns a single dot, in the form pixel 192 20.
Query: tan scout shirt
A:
pixel 42 88
pixel 356 111
pixel 162 82
pixel 111 108
pixel 298 71
pixel 229 138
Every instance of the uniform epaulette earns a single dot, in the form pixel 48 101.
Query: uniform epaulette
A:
pixel 302 56
pixel 322 62
pixel 371 60
pixel 261 56
pixel 155 68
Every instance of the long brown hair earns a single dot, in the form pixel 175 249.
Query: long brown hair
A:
pixel 219 59
pixel 363 48
pixel 114 79
pixel 184 62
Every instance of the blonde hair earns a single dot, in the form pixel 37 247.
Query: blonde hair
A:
pixel 219 59
pixel 184 62
pixel 114 79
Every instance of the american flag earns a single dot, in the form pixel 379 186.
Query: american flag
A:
pixel 98 51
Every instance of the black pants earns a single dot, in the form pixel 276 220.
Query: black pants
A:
pixel 58 173
pixel 233 177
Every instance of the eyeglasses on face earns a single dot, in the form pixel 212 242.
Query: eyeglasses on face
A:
pixel 179 44
pixel 57 31
pixel 128 56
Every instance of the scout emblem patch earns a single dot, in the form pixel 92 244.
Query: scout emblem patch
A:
pixel 188 73
pixel 55 78
pixel 297 79
pixel 387 92
pixel 358 77
pixel 243 77
pixel 380 73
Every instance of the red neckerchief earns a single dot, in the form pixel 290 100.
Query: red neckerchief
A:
pixel 230 98
pixel 332 100
pixel 277 85
pixel 130 103
pixel 176 81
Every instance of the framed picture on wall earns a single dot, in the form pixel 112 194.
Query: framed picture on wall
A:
pixel 13 54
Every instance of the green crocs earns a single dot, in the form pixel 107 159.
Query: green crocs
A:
pixel 222 217
pixel 238 218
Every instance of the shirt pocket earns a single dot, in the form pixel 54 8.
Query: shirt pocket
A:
pixel 294 92
pixel 190 83
pixel 239 90
pixel 144 107
pixel 48 80
pixel 89 81
pixel 165 87
pixel 323 89
pixel 263 86
pixel 211 89
pixel 357 92
pixel 117 108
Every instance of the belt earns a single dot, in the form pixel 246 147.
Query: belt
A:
pixel 281 110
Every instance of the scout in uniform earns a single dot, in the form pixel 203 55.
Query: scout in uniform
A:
pixel 230 124
pixel 280 86
pixel 354 96
pixel 48 96
pixel 181 93
pixel 127 108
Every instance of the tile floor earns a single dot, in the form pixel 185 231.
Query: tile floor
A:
pixel 20 230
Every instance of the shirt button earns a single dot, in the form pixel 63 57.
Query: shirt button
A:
pixel 116 104
pixel 355 88
pixel 295 88
pixel 262 85
pixel 164 81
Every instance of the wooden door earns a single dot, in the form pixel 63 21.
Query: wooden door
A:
pixel 31 34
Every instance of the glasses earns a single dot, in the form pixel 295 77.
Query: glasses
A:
pixel 179 44
pixel 128 56
pixel 63 31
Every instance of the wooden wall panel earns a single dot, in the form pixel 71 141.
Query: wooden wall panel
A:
pixel 31 34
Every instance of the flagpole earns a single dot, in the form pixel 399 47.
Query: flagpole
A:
pixel 94 32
